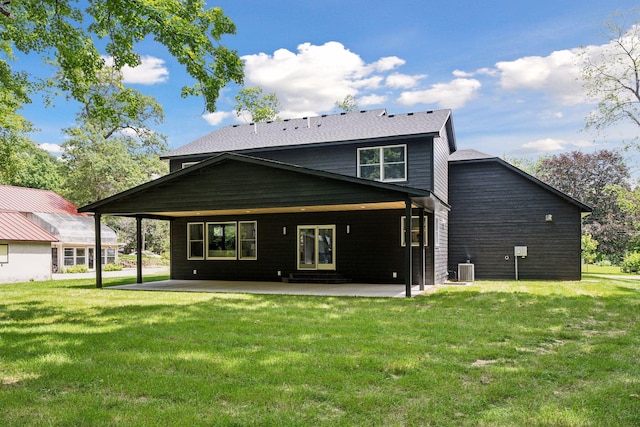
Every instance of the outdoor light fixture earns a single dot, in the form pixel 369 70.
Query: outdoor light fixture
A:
pixel 348 229
pixel 549 218
pixel 284 231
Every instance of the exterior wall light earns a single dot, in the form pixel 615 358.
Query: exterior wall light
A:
pixel 549 218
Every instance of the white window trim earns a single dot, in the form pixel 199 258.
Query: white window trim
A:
pixel 239 240
pixel 206 247
pixel 381 164
pixel 402 232
pixel 189 224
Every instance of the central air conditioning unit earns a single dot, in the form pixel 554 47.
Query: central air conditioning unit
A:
pixel 466 272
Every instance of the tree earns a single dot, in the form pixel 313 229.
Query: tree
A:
pixel 348 104
pixel 589 246
pixel 67 34
pixel 261 106
pixel 113 147
pixel 13 139
pixel 38 169
pixel 592 178
pixel 611 75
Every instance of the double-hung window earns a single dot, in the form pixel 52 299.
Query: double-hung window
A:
pixel 195 240
pixel 387 163
pixel 248 240
pixel 415 231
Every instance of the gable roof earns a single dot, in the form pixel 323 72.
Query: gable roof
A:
pixel 356 126
pixel 133 196
pixel 16 227
pixel 473 156
pixel 22 199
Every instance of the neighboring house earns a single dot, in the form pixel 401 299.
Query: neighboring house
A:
pixel 25 249
pixel 73 234
pixel 329 198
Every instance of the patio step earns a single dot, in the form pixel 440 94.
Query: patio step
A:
pixel 316 277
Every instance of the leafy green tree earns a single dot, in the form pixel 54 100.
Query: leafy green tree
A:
pixel 612 75
pixel 113 147
pixel 13 139
pixel 592 179
pixel 261 106
pixel 67 33
pixel 589 248
pixel 38 169
pixel 348 104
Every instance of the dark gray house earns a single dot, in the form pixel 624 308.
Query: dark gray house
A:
pixel 328 198
pixel 496 207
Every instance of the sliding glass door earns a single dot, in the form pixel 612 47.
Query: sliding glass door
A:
pixel 316 247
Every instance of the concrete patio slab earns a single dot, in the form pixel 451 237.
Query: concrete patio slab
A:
pixel 279 288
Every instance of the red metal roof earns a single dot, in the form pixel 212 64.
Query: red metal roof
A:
pixel 16 227
pixel 21 199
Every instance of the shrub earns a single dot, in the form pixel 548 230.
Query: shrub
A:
pixel 76 269
pixel 604 263
pixel 631 262
pixel 112 267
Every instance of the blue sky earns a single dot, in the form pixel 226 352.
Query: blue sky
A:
pixel 505 68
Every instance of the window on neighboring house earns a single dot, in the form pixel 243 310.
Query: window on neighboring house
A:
pixel 387 163
pixel 221 240
pixel 195 240
pixel 80 256
pixel 187 164
pixel 4 253
pixel 69 256
pixel 108 256
pixel 248 240
pixel 415 229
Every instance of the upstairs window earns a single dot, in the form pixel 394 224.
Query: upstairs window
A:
pixel 387 164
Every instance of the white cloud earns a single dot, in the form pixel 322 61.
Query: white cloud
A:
pixel 454 94
pixel 403 81
pixel 546 145
pixel 217 117
pixel 369 100
pixel 51 148
pixel 313 78
pixel 555 75
pixel 150 71
pixel 388 63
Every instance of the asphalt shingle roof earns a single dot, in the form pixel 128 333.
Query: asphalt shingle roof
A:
pixel 364 125
pixel 469 154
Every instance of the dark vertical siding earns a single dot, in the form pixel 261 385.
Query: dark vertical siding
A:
pixel 441 154
pixel 370 253
pixel 494 209
pixel 342 158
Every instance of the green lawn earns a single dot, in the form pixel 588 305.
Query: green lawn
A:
pixel 491 354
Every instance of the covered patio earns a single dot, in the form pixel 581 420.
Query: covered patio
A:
pixel 277 288
pixel 236 186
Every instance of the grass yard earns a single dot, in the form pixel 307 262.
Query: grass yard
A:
pixel 491 354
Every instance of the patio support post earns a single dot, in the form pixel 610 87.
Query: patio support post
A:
pixel 98 254
pixel 421 237
pixel 139 249
pixel 407 248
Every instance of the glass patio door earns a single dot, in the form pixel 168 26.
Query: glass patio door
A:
pixel 316 247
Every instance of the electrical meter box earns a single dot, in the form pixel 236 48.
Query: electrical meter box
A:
pixel 520 251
